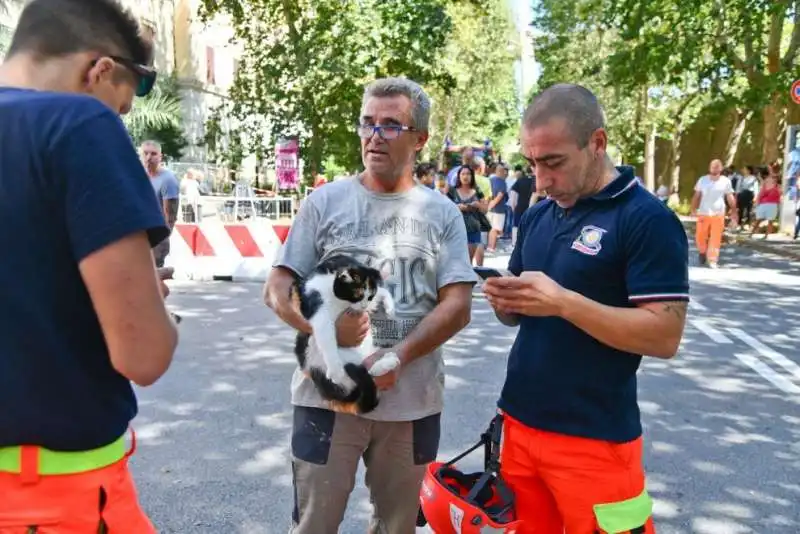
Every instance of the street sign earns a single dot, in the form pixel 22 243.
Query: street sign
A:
pixel 796 91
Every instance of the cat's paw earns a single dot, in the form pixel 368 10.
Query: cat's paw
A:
pixel 388 307
pixel 389 362
pixel 337 375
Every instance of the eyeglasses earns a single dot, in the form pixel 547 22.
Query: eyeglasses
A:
pixel 386 132
pixel 146 75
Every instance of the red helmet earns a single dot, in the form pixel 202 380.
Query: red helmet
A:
pixel 453 502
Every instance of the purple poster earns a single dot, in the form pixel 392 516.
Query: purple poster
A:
pixel 287 163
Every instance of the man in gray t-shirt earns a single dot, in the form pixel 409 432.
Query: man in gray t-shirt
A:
pixel 165 185
pixel 416 236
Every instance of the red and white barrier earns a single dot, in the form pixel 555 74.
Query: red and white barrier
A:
pixel 218 251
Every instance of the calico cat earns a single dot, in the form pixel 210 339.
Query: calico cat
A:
pixel 337 285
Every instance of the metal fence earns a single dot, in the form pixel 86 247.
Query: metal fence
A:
pixel 213 178
pixel 224 198
pixel 232 209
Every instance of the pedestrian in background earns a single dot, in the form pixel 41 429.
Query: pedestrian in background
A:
pixel 167 190
pixel 713 194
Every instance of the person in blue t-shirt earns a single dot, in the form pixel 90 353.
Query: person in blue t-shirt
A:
pixel 600 279
pixel 167 189
pixel 497 205
pixel 88 314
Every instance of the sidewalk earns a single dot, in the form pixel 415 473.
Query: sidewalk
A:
pixel 780 244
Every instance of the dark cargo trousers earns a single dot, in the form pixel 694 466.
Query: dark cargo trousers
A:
pixel 326 449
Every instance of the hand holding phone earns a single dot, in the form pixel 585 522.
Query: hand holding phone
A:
pixel 165 273
pixel 488 272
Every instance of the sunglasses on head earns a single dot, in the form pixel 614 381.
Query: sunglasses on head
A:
pixel 146 75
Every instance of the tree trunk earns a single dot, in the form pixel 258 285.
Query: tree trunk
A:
pixel 448 127
pixel 772 115
pixel 676 160
pixel 732 145
pixel 773 112
pixel 650 158
pixel 667 169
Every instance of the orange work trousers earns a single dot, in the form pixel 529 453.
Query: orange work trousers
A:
pixel 93 502
pixel 559 480
pixel 708 235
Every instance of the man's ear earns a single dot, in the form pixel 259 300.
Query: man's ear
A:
pixel 103 67
pixel 422 140
pixel 599 142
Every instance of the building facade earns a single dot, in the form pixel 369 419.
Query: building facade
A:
pixel 200 55
pixel 205 62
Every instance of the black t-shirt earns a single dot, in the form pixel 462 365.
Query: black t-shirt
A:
pixel 524 188
pixel 58 388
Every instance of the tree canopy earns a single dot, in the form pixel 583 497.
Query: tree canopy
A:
pixel 305 65
pixel 656 64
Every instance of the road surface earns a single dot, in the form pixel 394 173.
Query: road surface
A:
pixel 722 419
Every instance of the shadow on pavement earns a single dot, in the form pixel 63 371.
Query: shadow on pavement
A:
pixel 723 445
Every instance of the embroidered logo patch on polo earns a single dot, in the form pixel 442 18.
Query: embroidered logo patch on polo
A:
pixel 589 240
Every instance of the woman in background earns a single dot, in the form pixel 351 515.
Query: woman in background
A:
pixel 471 201
pixel 767 202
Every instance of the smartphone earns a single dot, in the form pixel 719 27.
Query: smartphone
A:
pixel 165 273
pixel 488 272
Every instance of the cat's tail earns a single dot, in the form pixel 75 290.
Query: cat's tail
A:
pixel 365 386
pixel 362 399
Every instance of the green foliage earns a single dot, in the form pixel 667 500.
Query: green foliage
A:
pixel 5 34
pixel 159 116
pixel 687 56
pixel 479 58
pixel 573 46
pixel 305 65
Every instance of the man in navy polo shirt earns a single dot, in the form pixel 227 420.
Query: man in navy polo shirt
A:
pixel 601 278
pixel 83 311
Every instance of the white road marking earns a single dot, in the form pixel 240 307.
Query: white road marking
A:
pixel 767 352
pixel 705 327
pixel 777 379
pixel 696 305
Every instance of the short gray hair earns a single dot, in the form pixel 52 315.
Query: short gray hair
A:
pixel 420 102
pixel 577 105
pixel 152 143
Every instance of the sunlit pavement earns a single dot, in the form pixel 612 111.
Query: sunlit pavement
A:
pixel 722 419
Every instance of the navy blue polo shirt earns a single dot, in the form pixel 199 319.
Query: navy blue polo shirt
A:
pixel 620 248
pixel 70 184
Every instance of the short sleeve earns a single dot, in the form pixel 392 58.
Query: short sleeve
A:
pixel 453 264
pixel 515 261
pixel 300 252
pixel 171 188
pixel 109 199
pixel 657 256
pixel 498 186
pixel 698 186
pixel 728 187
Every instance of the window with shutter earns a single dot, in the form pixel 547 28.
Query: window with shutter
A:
pixel 210 77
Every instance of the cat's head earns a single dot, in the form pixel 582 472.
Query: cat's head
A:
pixel 357 284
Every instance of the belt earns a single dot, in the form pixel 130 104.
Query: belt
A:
pixel 41 461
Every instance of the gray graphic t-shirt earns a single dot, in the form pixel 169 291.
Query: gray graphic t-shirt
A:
pixel 419 239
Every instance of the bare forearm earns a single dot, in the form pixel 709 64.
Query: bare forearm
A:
pixel 695 202
pixel 448 318
pixel 635 330
pixel 278 297
pixel 171 212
